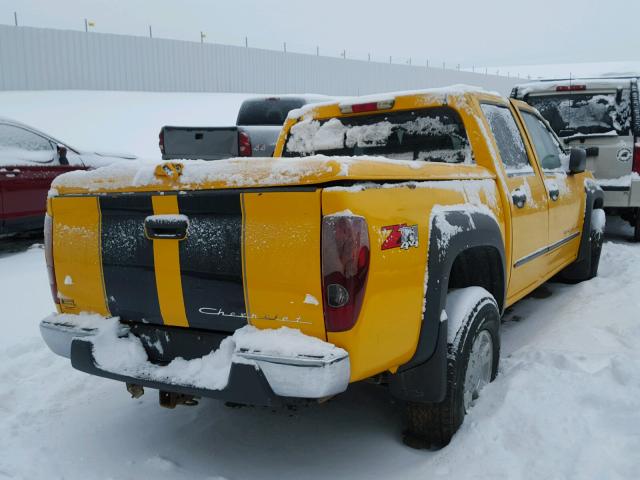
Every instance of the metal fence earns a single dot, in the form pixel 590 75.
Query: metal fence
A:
pixel 48 59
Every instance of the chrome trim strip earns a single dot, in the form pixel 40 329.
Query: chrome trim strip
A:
pixel 543 250
pixel 512 174
pixel 300 360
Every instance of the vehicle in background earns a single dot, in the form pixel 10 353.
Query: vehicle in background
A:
pixel 601 115
pixel 29 161
pixel 254 135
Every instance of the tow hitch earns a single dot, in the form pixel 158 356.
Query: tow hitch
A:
pixel 172 399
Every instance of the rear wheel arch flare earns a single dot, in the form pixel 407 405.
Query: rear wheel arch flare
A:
pixel 479 266
pixel 476 233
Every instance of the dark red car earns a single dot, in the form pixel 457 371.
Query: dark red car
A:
pixel 29 161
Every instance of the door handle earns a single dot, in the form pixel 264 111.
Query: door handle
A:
pixel 166 227
pixel 519 198
pixel 554 194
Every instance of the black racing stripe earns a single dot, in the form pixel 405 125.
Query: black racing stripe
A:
pixel 211 261
pixel 127 259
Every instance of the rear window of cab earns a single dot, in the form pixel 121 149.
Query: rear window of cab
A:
pixel 434 134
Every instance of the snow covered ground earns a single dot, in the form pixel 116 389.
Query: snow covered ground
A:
pixel 566 403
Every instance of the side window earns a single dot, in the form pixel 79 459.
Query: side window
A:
pixel 547 148
pixel 18 144
pixel 508 137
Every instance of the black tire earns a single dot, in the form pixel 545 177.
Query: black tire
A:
pixel 636 225
pixel 432 425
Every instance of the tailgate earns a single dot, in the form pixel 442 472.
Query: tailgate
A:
pixel 206 143
pixel 210 260
pixel 607 156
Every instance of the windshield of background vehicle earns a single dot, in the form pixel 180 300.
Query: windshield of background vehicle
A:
pixel 585 113
pixel 432 134
pixel 268 111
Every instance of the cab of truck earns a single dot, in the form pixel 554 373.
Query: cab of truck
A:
pixel 602 116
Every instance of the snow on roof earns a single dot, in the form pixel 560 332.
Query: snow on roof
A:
pixel 591 83
pixel 458 89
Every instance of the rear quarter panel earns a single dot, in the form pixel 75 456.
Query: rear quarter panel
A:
pixel 386 333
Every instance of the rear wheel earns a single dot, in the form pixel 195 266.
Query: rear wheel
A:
pixel 473 354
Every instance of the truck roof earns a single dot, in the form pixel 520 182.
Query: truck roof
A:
pixel 541 86
pixel 459 89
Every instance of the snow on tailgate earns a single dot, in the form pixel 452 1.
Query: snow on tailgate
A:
pixel 254 172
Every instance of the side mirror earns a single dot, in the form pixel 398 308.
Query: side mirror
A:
pixel 577 160
pixel 62 154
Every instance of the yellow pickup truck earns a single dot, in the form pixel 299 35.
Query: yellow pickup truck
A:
pixel 382 243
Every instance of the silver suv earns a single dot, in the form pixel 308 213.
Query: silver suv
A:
pixel 601 115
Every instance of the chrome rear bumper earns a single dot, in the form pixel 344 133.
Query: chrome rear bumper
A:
pixel 300 376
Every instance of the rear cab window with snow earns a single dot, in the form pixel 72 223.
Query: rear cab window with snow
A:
pixel 578 113
pixel 432 134
pixel 508 138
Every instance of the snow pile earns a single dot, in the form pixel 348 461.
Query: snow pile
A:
pixel 623 181
pixel 598 220
pixel 233 172
pixel 459 303
pixel 116 350
pixel 242 172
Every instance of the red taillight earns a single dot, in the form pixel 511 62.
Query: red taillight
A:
pixel 366 107
pixel 161 141
pixel 48 256
pixel 636 156
pixel 345 265
pixel 570 88
pixel 244 144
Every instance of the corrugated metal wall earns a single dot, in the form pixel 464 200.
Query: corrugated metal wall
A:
pixel 47 59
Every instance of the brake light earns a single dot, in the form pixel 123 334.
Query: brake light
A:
pixel 636 156
pixel 345 265
pixel 367 107
pixel 48 255
pixel 161 140
pixel 570 88
pixel 244 144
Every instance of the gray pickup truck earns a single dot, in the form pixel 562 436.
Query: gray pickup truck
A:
pixel 602 116
pixel 254 135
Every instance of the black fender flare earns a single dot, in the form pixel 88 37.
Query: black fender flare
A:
pixel 593 194
pixel 453 230
pixel 580 268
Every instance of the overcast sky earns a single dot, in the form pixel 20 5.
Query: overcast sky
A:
pixel 468 32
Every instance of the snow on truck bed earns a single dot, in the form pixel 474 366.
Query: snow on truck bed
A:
pixel 255 172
